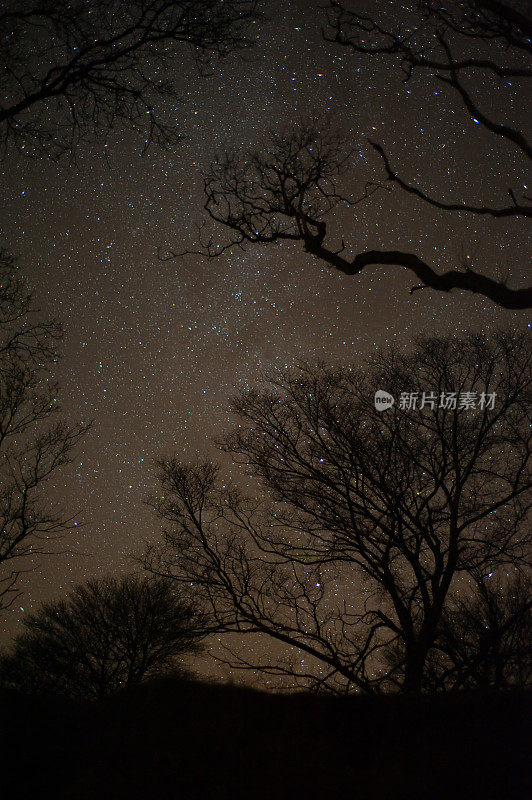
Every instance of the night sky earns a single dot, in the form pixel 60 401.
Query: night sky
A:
pixel 153 351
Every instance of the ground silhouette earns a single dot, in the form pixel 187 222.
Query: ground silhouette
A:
pixel 183 739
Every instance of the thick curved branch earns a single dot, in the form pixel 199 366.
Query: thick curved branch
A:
pixel 514 210
pixel 506 12
pixel 287 193
pixel 364 34
pixel 499 129
pixel 469 280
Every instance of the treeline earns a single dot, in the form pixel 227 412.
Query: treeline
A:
pixel 383 549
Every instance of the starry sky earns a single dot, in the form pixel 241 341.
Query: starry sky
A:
pixel 154 350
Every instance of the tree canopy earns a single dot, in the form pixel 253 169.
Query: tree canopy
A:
pixel 35 442
pixel 379 523
pixel 75 70
pixel 105 636
pixel 289 187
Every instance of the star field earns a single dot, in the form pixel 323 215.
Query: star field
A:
pixel 154 350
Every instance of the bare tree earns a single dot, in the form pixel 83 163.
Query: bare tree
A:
pixel 105 636
pixel 485 636
pixel 33 445
pixel 284 191
pixel 376 516
pixel 75 69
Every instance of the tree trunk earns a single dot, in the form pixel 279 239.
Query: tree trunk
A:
pixel 414 667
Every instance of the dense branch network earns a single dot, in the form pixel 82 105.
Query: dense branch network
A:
pixel 33 444
pixel 288 190
pixel 72 70
pixel 374 521
pixel 105 636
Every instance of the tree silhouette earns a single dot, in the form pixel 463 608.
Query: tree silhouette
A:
pixel 72 70
pixel 287 190
pixel 377 517
pixel 485 638
pixel 33 447
pixel 105 636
